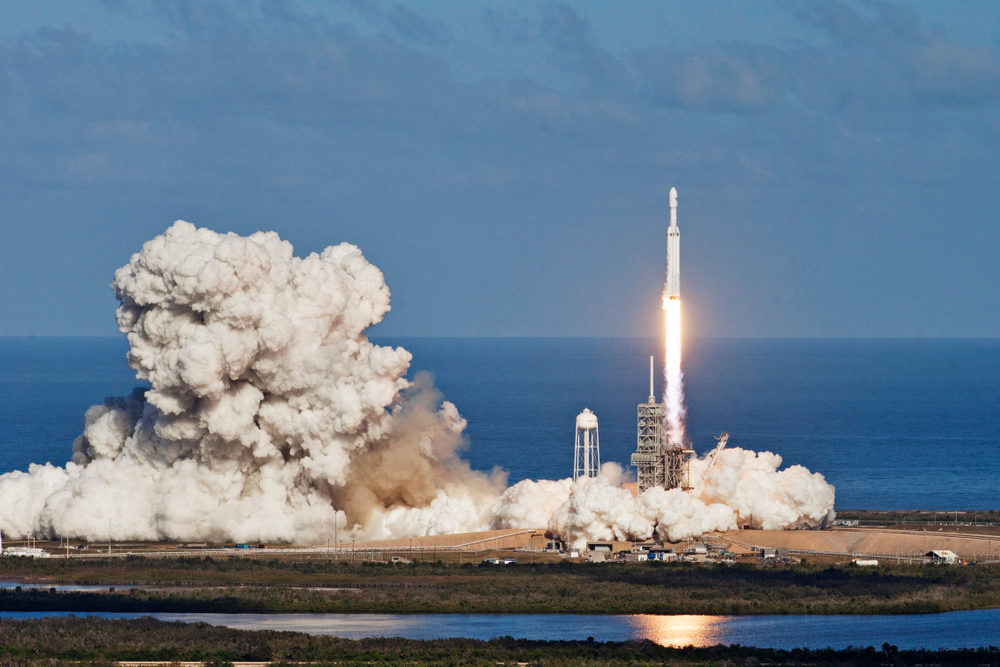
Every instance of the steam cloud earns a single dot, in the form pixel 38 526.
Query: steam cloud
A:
pixel 271 417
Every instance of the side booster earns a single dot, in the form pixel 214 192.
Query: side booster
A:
pixel 672 288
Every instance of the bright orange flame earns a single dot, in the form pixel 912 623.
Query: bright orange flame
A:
pixel 687 630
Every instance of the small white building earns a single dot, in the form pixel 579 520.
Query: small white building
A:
pixel 942 556
pixel 865 562
pixel 29 552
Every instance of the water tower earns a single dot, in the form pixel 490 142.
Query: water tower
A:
pixel 587 453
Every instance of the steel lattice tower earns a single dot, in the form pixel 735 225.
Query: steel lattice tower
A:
pixel 650 439
pixel 657 462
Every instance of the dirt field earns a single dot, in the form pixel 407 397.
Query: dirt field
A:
pixel 873 542
pixel 843 542
pixel 974 544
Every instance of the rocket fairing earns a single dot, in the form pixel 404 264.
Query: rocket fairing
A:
pixel 672 288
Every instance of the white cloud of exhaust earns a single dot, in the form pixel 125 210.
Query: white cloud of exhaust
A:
pixel 271 417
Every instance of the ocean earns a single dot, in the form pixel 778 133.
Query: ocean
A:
pixel 892 423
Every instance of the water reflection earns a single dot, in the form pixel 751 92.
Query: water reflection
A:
pixel 687 630
pixel 953 629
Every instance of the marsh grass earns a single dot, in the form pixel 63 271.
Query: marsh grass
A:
pixel 284 586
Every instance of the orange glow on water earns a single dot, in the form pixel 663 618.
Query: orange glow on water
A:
pixel 687 630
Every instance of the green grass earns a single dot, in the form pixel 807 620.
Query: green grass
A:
pixel 286 586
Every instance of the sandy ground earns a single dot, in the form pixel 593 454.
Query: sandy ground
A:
pixel 874 542
pixel 839 542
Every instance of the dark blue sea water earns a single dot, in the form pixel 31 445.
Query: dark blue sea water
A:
pixel 906 423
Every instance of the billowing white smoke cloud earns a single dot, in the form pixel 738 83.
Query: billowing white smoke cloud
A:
pixel 271 417
pixel 741 488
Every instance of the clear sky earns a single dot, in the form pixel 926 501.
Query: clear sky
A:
pixel 506 164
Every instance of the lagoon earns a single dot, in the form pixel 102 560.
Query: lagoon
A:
pixel 957 629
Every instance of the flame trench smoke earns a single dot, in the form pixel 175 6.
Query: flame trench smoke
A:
pixel 270 417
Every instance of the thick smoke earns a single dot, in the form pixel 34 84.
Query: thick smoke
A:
pixel 742 488
pixel 270 417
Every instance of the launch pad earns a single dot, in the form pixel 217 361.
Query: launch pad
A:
pixel 648 459
pixel 658 462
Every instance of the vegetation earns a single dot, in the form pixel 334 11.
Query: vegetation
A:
pixel 284 586
pixel 95 640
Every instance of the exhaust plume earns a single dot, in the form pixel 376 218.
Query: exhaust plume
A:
pixel 741 488
pixel 673 385
pixel 270 417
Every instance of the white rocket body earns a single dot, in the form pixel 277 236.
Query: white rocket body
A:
pixel 672 289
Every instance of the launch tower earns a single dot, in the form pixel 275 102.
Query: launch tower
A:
pixel 650 439
pixel 658 462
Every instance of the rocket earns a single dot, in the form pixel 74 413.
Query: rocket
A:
pixel 672 288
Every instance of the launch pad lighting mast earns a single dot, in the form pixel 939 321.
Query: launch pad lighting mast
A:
pixel 587 450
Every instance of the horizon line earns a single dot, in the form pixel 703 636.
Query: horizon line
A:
pixel 561 337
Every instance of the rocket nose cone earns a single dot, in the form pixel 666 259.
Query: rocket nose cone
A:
pixel 673 197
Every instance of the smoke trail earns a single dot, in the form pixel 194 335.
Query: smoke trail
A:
pixel 673 389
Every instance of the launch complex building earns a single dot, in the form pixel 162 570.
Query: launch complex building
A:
pixel 658 462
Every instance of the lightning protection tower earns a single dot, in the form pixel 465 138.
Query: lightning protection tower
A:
pixel 587 452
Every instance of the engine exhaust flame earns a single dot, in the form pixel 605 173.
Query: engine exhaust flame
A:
pixel 673 390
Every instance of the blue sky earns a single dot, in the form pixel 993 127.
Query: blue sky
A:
pixel 507 164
